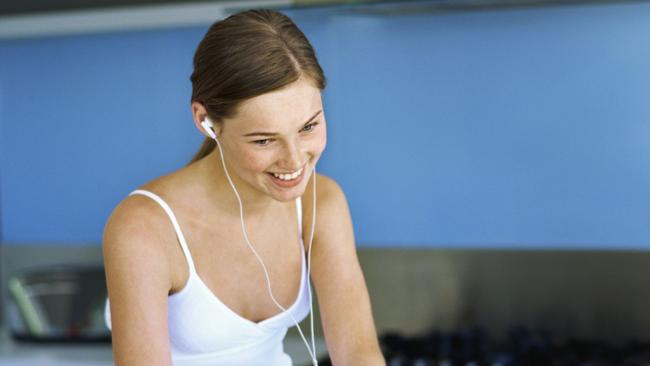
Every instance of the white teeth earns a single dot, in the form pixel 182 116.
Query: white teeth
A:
pixel 291 176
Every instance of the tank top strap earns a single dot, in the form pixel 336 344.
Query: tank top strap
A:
pixel 172 218
pixel 299 209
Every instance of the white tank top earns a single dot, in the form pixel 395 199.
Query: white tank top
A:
pixel 203 331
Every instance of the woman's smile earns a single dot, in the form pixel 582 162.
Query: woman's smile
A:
pixel 287 180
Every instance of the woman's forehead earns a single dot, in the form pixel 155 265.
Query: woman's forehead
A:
pixel 280 109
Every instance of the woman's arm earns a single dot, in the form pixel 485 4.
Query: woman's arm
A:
pixel 138 280
pixel 339 283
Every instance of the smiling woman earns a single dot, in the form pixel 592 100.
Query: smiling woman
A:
pixel 219 279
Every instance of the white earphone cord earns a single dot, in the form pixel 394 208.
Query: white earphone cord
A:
pixel 312 350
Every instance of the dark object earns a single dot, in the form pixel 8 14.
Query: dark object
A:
pixel 524 347
pixel 60 303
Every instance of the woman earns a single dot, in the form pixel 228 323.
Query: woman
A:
pixel 192 280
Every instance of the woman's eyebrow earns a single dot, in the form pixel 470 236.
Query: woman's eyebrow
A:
pixel 275 133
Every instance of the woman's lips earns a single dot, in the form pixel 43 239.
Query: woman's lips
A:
pixel 287 184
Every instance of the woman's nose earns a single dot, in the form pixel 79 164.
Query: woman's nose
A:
pixel 292 155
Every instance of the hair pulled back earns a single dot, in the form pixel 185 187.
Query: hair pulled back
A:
pixel 245 55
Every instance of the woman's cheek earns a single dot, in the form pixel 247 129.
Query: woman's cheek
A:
pixel 256 161
pixel 322 142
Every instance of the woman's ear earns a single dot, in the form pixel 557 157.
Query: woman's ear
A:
pixel 199 114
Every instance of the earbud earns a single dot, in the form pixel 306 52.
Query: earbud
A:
pixel 208 126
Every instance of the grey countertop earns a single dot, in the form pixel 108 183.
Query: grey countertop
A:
pixel 13 353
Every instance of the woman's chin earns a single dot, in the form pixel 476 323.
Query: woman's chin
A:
pixel 286 195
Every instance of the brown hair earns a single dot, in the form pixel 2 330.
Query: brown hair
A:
pixel 245 55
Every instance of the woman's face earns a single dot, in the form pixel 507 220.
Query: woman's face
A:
pixel 275 140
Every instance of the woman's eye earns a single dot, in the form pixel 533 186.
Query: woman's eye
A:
pixel 262 142
pixel 310 127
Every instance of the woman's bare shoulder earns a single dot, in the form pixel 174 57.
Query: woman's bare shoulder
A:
pixel 139 214
pixel 330 199
pixel 134 215
pixel 138 227
pixel 326 189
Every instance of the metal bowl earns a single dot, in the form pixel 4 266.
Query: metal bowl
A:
pixel 58 303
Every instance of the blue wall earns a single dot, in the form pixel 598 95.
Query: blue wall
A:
pixel 511 128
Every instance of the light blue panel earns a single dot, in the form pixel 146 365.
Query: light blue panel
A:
pixel 526 128
pixel 86 120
